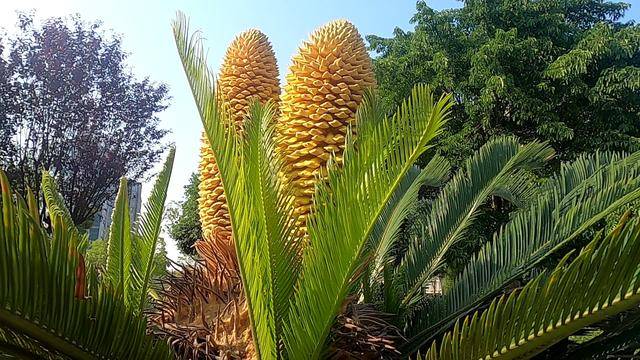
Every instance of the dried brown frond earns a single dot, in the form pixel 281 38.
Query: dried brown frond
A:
pixel 362 332
pixel 201 309
pixel 220 260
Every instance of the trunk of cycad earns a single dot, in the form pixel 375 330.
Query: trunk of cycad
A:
pixel 325 85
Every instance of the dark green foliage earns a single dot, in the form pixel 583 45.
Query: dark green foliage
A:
pixel 567 72
pixel 553 305
pixel 566 207
pixel 563 71
pixel 184 220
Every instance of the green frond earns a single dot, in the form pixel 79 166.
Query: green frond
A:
pixel 492 170
pixel 602 281
pixel 347 207
pixel 53 199
pixel 622 339
pixel 582 193
pixel 247 222
pixel 273 207
pixel 43 298
pixel 148 230
pixel 14 345
pixel 402 203
pixel 119 246
pixel 56 207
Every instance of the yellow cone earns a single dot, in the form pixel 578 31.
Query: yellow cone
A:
pixel 249 72
pixel 324 87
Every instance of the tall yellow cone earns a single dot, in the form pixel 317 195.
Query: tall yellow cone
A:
pixel 249 72
pixel 325 85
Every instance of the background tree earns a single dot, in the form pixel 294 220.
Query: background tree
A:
pixel 70 104
pixel 184 221
pixel 563 71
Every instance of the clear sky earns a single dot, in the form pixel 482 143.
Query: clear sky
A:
pixel 146 33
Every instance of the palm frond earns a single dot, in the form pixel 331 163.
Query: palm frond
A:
pixel 603 280
pixel 402 204
pixel 361 331
pixel 200 310
pixel 119 246
pixel 53 199
pixel 273 206
pixel 148 230
pixel 492 170
pixel 42 294
pixel 620 342
pixel 347 207
pixel 56 207
pixel 247 222
pixel 14 345
pixel 582 193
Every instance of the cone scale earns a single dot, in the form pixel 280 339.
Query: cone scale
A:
pixel 325 84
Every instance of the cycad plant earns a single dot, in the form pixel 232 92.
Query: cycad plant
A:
pixel 359 200
pixel 131 248
pixel 217 310
pixel 548 218
pixel 600 282
pixel 54 307
pixel 293 301
pixel 336 57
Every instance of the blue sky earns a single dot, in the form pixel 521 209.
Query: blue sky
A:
pixel 146 31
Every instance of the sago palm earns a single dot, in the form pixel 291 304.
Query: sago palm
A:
pixel 294 294
pixel 600 282
pixel 293 301
pixel 52 306
pixel 213 321
pixel 548 218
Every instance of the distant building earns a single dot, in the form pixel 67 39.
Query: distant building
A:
pixel 434 286
pixel 102 219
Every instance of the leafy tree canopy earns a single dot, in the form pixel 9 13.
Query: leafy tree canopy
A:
pixel 563 71
pixel 70 104
pixel 184 221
